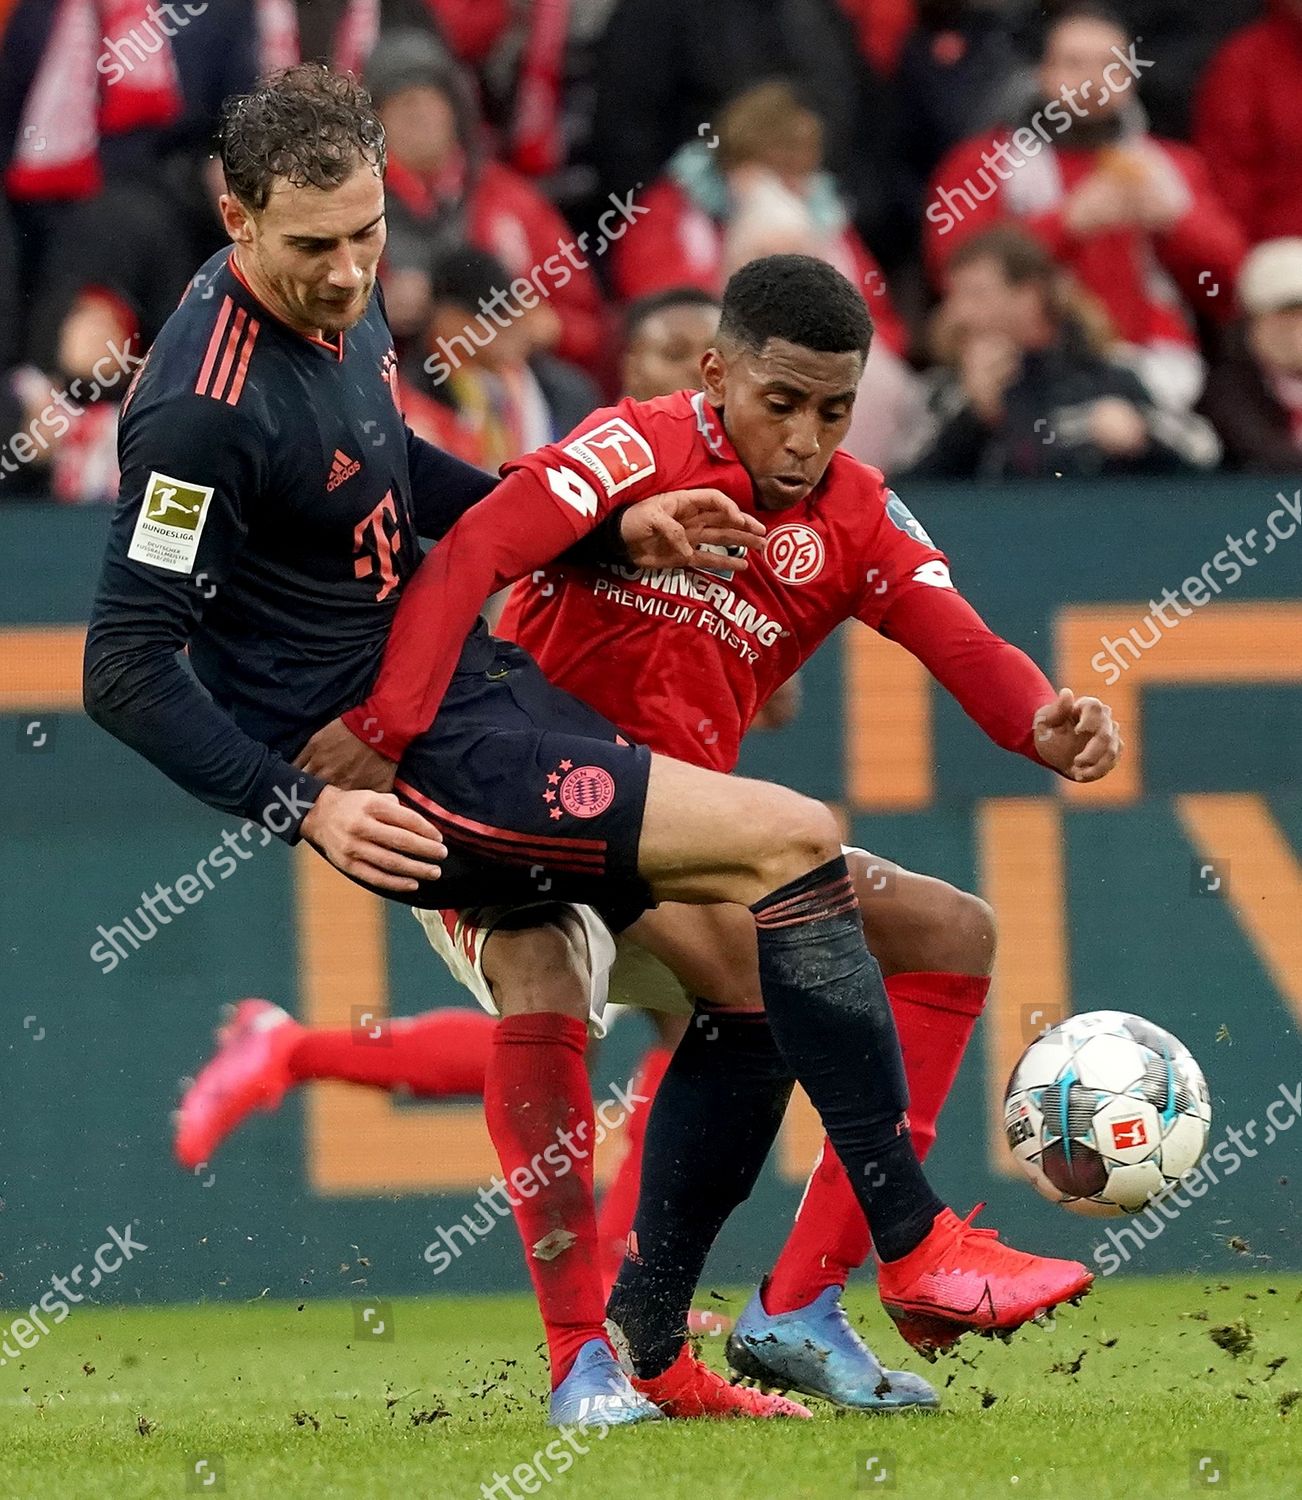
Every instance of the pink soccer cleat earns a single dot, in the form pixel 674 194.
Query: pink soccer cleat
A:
pixel 249 1071
pixel 689 1389
pixel 964 1280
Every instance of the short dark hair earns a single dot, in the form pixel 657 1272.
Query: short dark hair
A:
pixel 797 298
pixel 645 308
pixel 305 125
pixel 467 276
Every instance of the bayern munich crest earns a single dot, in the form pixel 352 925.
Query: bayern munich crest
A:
pixel 795 553
pixel 587 791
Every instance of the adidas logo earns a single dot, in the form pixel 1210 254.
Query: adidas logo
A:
pixel 341 469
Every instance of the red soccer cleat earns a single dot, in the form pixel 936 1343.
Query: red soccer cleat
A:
pixel 249 1071
pixel 690 1389
pixel 963 1280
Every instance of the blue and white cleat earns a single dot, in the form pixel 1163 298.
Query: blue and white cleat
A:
pixel 814 1350
pixel 597 1393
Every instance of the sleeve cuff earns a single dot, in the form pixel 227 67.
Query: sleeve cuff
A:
pixel 282 797
pixel 364 724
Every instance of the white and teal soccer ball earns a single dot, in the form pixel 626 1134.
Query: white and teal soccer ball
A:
pixel 1105 1112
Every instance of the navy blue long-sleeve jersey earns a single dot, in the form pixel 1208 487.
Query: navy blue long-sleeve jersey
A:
pixel 271 503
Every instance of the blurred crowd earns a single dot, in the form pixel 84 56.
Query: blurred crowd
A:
pixel 1078 228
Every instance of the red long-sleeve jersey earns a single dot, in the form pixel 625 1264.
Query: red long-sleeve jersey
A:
pixel 680 659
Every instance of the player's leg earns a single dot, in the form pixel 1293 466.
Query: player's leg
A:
pixel 723 838
pixel 708 837
pixel 694 1184
pixel 545 968
pixel 262 1053
pixel 936 946
pixel 619 1201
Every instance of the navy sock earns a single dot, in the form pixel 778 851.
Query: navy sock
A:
pixel 715 1117
pixel 830 1017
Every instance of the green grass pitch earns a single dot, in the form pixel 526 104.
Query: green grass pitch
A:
pixel 1123 1398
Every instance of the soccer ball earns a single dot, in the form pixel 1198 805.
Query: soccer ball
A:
pixel 1105 1112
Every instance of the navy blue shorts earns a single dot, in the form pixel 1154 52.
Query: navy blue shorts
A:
pixel 537 796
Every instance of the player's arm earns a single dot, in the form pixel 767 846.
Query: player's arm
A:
pixel 175 535
pixel 547 503
pixel 910 598
pixel 443 487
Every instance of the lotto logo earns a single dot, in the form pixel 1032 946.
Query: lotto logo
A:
pixel 616 453
pixel 795 553
pixel 1128 1133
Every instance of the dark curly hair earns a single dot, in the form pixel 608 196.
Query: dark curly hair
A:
pixel 797 298
pixel 305 125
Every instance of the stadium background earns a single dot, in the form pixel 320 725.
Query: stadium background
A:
pixel 1102 896
pixel 1174 888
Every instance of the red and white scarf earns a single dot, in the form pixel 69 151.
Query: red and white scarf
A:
pixel 537 147
pixel 278 39
pixel 107 68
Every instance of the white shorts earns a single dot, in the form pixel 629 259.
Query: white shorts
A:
pixel 621 972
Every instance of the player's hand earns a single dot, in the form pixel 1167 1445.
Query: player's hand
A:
pixel 336 755
pixel 373 837
pixel 1077 736
pixel 670 530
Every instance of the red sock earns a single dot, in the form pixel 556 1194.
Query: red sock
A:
pixel 935 1015
pixel 442 1052
pixel 538 1104
pixel 615 1217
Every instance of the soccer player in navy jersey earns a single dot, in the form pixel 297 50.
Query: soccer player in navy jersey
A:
pixel 268 518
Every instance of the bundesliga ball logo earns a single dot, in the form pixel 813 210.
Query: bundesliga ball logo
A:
pixel 795 553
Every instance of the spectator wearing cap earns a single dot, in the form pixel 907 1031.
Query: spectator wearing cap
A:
pixel 444 189
pixel 1029 390
pixel 1254 394
pixel 1135 219
pixel 1248 123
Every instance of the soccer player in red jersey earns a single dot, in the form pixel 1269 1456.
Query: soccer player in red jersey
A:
pixel 780 386
pixel 934 943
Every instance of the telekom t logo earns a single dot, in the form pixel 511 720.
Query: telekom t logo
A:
pixel 375 541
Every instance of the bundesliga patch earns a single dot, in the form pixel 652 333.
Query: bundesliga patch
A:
pixel 903 519
pixel 615 452
pixel 170 524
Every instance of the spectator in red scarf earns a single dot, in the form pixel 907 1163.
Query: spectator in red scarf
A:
pixel 1134 218
pixel 1254 394
pixel 1248 123
pixel 443 188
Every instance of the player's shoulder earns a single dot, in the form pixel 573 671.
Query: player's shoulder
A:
pixel 626 443
pixel 853 489
pixel 203 361
pixel 858 496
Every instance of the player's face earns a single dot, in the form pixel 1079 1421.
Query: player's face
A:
pixel 785 409
pixel 311 255
pixel 665 354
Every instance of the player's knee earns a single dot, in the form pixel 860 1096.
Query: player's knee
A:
pixel 538 969
pixel 797 835
pixel 960 936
